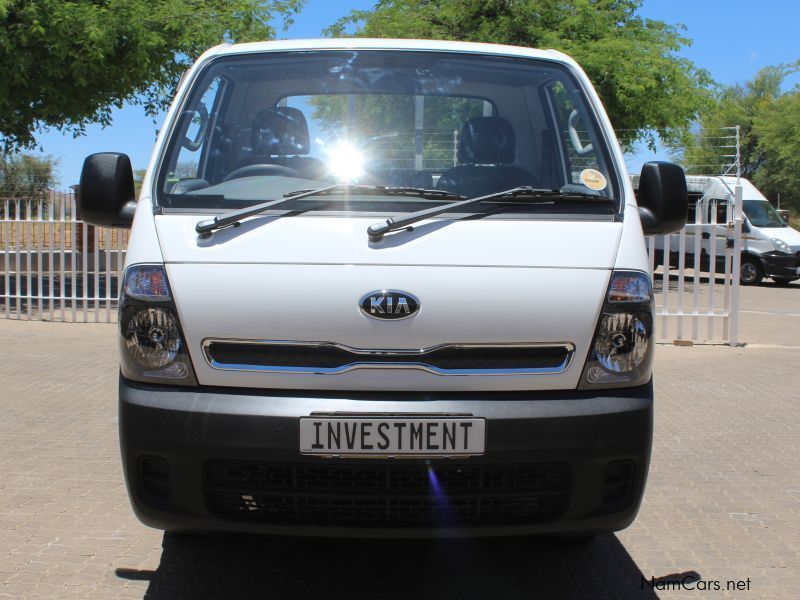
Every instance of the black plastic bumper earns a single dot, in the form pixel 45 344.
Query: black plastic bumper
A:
pixel 780 264
pixel 187 428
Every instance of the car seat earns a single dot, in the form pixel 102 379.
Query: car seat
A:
pixel 486 151
pixel 279 136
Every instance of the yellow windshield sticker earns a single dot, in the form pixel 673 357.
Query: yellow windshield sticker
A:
pixel 592 179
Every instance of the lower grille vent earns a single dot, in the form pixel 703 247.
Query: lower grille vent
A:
pixel 387 495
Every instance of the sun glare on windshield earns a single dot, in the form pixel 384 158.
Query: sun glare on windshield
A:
pixel 345 161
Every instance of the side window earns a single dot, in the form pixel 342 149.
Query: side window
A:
pixel 575 138
pixel 722 212
pixel 196 123
pixel 717 209
pixel 691 214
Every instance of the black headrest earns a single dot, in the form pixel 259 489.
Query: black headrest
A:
pixel 486 140
pixel 281 131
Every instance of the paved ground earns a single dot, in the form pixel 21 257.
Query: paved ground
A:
pixel 723 499
pixel 770 314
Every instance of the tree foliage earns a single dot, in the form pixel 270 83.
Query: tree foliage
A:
pixel 769 124
pixel 710 150
pixel 24 176
pixel 777 131
pixel 67 64
pixel 632 61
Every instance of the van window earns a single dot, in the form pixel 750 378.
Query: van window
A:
pixel 721 208
pixel 258 126
pixel 762 214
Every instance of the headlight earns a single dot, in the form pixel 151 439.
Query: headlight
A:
pixel 151 342
pixel 781 245
pixel 152 337
pixel 622 350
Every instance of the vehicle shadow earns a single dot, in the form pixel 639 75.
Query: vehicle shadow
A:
pixel 240 566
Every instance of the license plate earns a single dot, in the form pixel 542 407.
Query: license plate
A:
pixel 395 436
pixel 797 270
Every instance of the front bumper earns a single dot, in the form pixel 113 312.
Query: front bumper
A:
pixel 781 264
pixel 593 446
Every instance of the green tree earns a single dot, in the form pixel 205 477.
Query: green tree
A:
pixel 777 131
pixel 632 61
pixel 769 124
pixel 67 64
pixel 710 150
pixel 26 177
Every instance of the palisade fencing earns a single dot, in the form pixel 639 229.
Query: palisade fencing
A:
pixel 697 293
pixel 696 271
pixel 55 267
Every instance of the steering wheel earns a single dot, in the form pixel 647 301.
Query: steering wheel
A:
pixel 262 169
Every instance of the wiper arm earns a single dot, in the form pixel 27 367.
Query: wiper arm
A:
pixel 387 191
pixel 378 230
pixel 234 217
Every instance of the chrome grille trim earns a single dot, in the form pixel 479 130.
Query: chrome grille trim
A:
pixel 567 347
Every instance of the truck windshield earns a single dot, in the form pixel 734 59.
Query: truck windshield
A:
pixel 255 127
pixel 761 214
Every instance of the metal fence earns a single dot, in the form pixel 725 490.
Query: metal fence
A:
pixel 55 267
pixel 697 294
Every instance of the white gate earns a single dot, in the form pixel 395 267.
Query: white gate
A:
pixel 55 267
pixel 697 293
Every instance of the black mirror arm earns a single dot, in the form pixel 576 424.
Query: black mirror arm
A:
pixel 648 219
pixel 127 211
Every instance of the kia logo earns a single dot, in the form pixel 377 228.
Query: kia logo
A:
pixel 389 304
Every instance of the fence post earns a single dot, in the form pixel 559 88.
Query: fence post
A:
pixel 733 334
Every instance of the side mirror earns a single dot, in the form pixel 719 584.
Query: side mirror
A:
pixel 106 195
pixel 663 200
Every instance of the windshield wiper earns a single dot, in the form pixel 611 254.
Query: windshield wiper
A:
pixel 383 190
pixel 378 230
pixel 234 217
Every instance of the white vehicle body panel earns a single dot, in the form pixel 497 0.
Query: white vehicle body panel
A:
pixel 313 239
pixel 283 302
pixel 478 282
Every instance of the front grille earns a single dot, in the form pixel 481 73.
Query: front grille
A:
pixel 336 493
pixel 334 358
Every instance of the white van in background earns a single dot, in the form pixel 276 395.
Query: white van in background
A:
pixel 770 247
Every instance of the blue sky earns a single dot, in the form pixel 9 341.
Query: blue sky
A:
pixel 733 39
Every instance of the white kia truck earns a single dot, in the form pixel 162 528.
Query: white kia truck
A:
pixel 385 287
